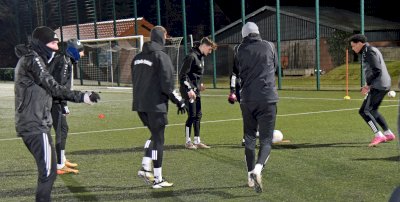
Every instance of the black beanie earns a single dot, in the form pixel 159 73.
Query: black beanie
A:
pixel 44 34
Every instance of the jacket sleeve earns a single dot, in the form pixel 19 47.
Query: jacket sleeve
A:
pixel 376 69
pixel 43 78
pixel 166 78
pixel 235 71
pixel 183 74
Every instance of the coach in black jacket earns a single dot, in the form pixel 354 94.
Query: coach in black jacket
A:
pixel 255 64
pixel 34 89
pixel 153 85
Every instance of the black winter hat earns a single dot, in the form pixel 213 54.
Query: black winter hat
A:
pixel 44 34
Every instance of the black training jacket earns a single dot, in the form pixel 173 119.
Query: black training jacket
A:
pixel 191 72
pixel 34 89
pixel 152 77
pixel 61 68
pixel 255 64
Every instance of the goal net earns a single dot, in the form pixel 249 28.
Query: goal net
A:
pixel 107 61
pixel 172 46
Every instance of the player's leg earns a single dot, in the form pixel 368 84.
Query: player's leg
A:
pixel 249 129
pixel 365 112
pixel 157 123
pixel 196 126
pixel 376 102
pixel 64 135
pixel 266 116
pixel 145 171
pixel 41 147
pixel 189 122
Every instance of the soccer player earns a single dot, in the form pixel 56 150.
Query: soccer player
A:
pixel 61 69
pixel 255 62
pixel 191 84
pixel 378 83
pixel 153 85
pixel 34 89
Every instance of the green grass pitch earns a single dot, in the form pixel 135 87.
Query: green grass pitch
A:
pixel 327 158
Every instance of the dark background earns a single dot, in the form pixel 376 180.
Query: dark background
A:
pixel 17 21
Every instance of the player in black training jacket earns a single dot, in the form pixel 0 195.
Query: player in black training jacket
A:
pixel 153 86
pixel 190 78
pixel 61 69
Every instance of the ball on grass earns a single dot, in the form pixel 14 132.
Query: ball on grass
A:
pixel 277 137
pixel 392 93
pixel 102 116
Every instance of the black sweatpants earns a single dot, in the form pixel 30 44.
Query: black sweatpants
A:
pixel 369 110
pixel 261 116
pixel 154 147
pixel 61 128
pixel 42 149
pixel 194 117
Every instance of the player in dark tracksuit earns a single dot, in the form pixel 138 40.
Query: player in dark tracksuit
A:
pixel 378 83
pixel 61 70
pixel 153 85
pixel 34 89
pixel 190 79
pixel 255 64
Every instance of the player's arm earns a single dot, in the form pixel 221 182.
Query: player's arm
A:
pixel 44 79
pixel 376 69
pixel 232 98
pixel 184 78
pixel 166 80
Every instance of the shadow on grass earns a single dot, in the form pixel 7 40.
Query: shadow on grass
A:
pixel 391 158
pixel 18 173
pixel 122 150
pixel 300 146
pixel 233 146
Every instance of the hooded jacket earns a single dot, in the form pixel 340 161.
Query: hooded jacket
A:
pixel 191 72
pixel 152 77
pixel 34 89
pixel 374 67
pixel 61 69
pixel 255 64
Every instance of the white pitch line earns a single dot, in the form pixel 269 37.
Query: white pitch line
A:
pixel 215 121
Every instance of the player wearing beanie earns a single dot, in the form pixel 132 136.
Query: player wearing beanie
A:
pixel 255 63
pixel 61 70
pixel 34 89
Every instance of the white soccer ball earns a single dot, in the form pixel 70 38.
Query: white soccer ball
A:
pixel 392 93
pixel 277 137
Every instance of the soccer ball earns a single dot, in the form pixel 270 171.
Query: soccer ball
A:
pixel 391 93
pixel 277 137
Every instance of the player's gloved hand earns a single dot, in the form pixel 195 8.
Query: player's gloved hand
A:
pixel 181 107
pixel 232 98
pixel 65 110
pixel 91 97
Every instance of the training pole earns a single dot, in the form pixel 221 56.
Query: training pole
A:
pixel 347 97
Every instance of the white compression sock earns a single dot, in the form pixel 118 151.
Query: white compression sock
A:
pixel 158 174
pixel 187 134
pixel 379 133
pixel 257 168
pixel 146 163
pixel 197 140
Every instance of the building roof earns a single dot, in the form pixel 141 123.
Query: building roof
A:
pixel 350 21
pixel 330 17
pixel 105 29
